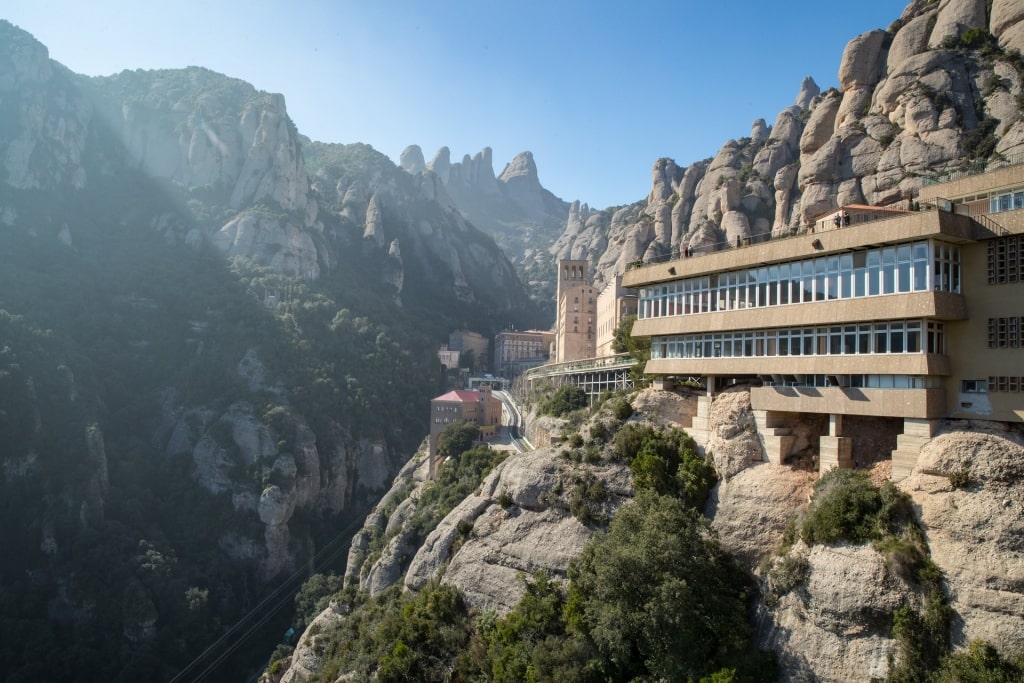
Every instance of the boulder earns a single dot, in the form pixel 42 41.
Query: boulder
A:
pixel 855 105
pixel 863 60
pixel 1005 15
pixel 955 17
pixel 441 164
pixel 759 130
pixel 736 227
pixel 976 530
pixel 733 442
pixel 910 40
pixel 836 624
pixel 820 125
pixel 750 509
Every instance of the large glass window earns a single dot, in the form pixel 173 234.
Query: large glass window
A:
pixel 905 268
pixel 899 336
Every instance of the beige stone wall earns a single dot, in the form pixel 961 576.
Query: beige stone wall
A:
pixel 881 364
pixel 967 342
pixel 917 403
pixel 909 227
pixel 985 183
pixel 613 304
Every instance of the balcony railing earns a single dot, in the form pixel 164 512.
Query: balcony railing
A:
pixel 976 168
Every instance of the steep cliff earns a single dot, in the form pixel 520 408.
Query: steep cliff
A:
pixel 940 88
pixel 208 359
pixel 828 609
pixel 514 208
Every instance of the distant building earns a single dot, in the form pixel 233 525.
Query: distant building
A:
pixel 576 310
pixel 516 352
pixel 477 406
pixel 614 303
pixel 448 358
pixel 464 340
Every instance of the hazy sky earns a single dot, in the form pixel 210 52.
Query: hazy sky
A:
pixel 596 90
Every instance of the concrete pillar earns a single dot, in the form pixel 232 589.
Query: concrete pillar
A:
pixel 835 425
pixel 835 450
pixel 776 434
pixel 916 433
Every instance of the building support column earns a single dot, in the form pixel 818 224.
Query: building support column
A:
pixel 916 433
pixel 835 450
pixel 776 434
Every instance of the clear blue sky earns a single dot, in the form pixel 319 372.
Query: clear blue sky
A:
pixel 596 90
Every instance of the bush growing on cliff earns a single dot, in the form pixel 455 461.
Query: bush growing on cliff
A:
pixel 666 462
pixel 564 401
pixel 457 477
pixel 845 506
pixel 659 598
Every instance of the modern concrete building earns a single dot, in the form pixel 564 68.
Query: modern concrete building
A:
pixel 477 406
pixel 912 314
pixel 576 311
pixel 614 303
pixel 515 352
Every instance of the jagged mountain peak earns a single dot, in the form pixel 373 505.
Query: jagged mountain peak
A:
pixel 521 168
pixel 940 88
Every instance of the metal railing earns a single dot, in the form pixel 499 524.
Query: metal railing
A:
pixel 620 360
pixel 976 168
pixel 794 233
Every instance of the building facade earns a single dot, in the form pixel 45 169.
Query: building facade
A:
pixel 915 315
pixel 516 352
pixel 478 406
pixel 614 303
pixel 447 357
pixel 576 312
pixel 465 341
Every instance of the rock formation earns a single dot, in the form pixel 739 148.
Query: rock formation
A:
pixel 912 101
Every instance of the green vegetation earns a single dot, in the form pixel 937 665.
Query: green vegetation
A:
pixel 979 663
pixel 457 438
pixel 457 477
pixel 567 399
pixel 666 462
pixel 622 616
pixel 631 587
pixel 637 347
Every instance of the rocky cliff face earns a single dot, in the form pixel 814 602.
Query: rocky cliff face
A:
pixel 411 226
pixel 182 428
pixel 940 87
pixel 827 614
pixel 514 208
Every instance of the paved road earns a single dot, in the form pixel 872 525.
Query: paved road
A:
pixel 512 434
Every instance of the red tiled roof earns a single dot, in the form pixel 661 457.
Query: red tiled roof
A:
pixel 461 395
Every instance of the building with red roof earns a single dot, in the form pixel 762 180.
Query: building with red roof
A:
pixel 477 406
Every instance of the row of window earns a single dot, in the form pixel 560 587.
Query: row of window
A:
pixel 1004 333
pixel 1006 201
pixel 903 336
pixel 1001 383
pixel 855 381
pixel 1005 260
pixel 905 268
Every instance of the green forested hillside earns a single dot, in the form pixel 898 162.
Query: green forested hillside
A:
pixel 180 429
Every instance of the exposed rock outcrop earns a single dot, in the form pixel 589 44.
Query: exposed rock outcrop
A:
pixel 976 531
pixel 904 109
